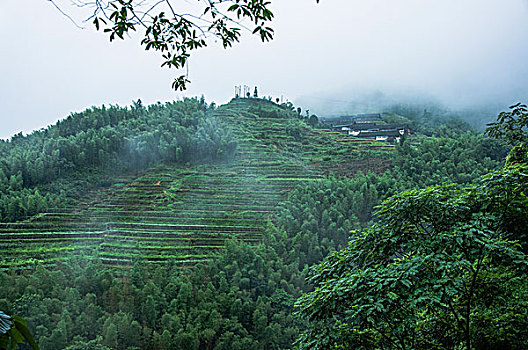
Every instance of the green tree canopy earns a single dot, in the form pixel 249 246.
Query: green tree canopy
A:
pixel 513 127
pixel 442 268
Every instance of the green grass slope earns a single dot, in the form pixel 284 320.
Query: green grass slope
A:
pixel 185 213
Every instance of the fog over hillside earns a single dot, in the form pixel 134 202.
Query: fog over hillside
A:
pixel 136 217
pixel 462 54
pixel 341 103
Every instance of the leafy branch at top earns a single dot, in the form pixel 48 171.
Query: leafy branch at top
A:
pixel 174 30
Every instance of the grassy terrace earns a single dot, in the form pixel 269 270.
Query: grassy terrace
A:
pixel 185 214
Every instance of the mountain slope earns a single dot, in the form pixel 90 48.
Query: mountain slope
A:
pixel 184 213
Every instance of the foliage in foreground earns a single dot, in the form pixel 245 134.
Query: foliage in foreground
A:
pixel 442 268
pixel 14 331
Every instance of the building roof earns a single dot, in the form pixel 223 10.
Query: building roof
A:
pixel 388 133
pixel 369 126
pixel 369 115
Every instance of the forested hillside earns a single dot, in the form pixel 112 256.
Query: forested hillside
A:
pixel 104 140
pixel 204 230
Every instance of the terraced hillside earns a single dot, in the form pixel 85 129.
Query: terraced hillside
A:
pixel 262 133
pixel 184 214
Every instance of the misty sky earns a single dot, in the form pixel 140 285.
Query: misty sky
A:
pixel 461 52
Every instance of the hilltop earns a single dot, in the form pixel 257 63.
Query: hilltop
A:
pixel 179 208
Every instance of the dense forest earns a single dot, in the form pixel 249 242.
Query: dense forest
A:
pixel 352 253
pixel 103 140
